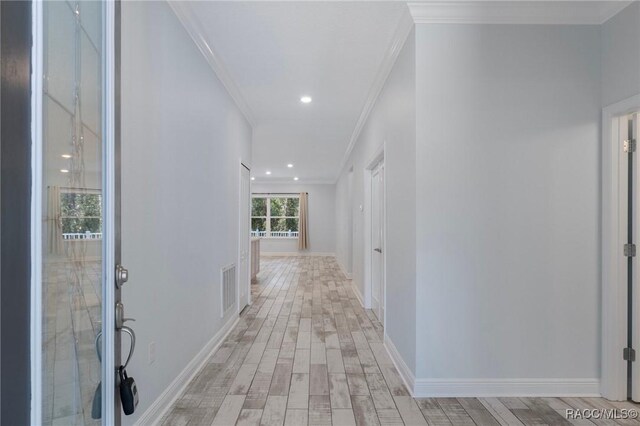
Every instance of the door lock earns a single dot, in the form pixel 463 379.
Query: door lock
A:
pixel 122 276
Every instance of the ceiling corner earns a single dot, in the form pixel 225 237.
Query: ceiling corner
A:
pixel 193 27
pixel 515 12
pixel 403 29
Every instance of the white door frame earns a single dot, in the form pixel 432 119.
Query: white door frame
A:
pixel 248 260
pixel 613 382
pixel 368 249
pixel 349 265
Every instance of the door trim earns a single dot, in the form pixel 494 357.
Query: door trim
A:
pixel 368 249
pixel 111 188
pixel 37 61
pixel 613 384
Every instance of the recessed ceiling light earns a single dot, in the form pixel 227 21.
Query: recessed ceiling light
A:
pixel 66 156
pixel 268 172
pixel 305 99
pixel 295 178
pixel 289 165
pixel 64 171
pixel 253 178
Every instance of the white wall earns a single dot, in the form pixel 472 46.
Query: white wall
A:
pixel 392 123
pixel 322 219
pixel 344 222
pixel 621 55
pixel 508 121
pixel 182 140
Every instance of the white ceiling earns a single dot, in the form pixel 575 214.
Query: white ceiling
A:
pixel 270 53
pixel 275 52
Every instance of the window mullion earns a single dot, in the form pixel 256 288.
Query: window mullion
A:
pixel 268 217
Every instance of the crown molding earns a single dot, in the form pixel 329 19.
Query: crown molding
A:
pixel 294 182
pixel 195 31
pixel 515 12
pixel 404 27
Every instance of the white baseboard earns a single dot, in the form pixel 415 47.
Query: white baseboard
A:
pixel 425 388
pixel 343 269
pixel 405 372
pixel 163 403
pixel 356 291
pixel 295 254
pixel 442 388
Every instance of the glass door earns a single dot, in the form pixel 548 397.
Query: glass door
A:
pixel 76 198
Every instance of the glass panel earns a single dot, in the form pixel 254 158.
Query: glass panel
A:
pixel 90 81
pixel 291 207
pixel 72 210
pixel 258 207
pixel 59 53
pixel 258 225
pixel 278 206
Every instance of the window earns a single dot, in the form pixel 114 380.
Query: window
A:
pixel 81 215
pixel 275 216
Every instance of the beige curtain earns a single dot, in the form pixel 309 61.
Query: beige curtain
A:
pixel 303 235
pixel 54 220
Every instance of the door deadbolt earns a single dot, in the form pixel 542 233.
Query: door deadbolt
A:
pixel 122 276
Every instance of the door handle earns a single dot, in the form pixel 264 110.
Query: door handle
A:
pixel 379 250
pixel 132 348
pixel 120 319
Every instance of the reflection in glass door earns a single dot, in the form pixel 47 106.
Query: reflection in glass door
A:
pixel 72 212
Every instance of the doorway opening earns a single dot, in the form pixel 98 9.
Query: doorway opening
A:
pixel 620 274
pixel 244 251
pixel 349 265
pixel 627 131
pixel 375 236
pixel 377 241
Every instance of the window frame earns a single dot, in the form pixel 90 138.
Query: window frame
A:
pixel 268 217
pixel 63 217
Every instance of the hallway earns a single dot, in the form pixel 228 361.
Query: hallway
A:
pixel 305 352
pixel 393 185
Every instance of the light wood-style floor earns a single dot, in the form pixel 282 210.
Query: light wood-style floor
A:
pixel 305 352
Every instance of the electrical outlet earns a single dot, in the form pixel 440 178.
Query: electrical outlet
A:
pixel 152 352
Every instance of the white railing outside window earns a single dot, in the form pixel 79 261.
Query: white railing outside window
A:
pixel 275 234
pixel 77 236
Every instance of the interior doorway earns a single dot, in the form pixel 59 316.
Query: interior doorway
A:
pixel 377 241
pixel 350 213
pixel 621 274
pixel 628 132
pixel 244 252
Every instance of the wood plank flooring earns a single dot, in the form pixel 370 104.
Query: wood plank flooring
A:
pixel 306 353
